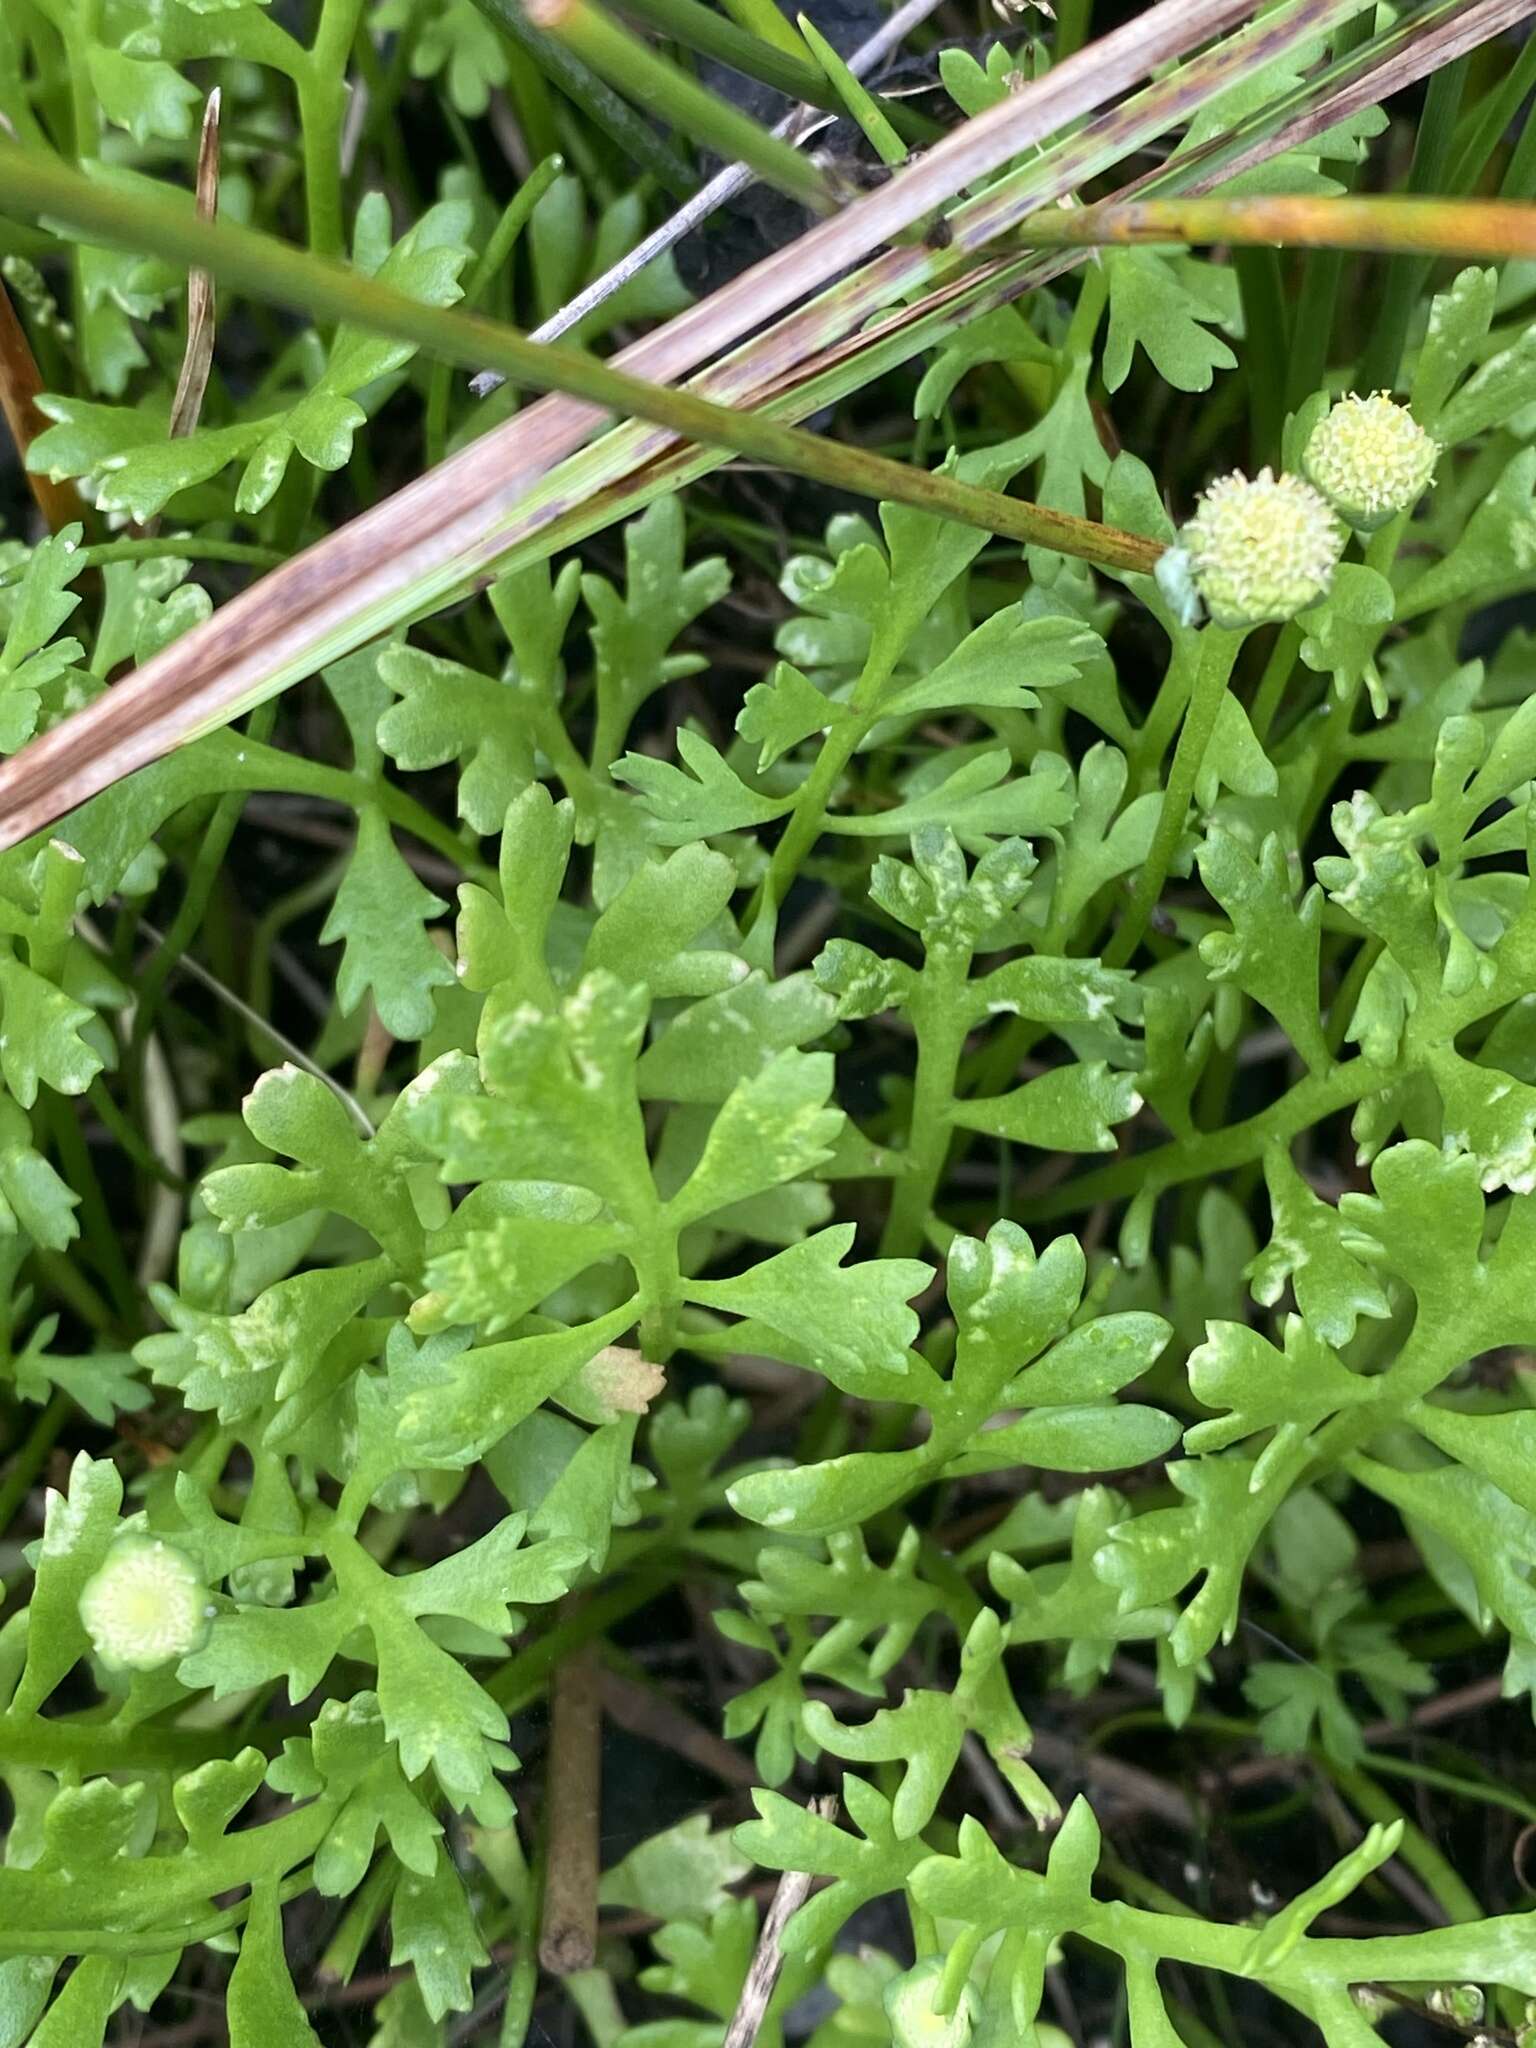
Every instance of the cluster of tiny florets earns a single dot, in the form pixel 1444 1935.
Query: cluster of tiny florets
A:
pixel 1261 548
pixel 145 1606
pixel 1371 459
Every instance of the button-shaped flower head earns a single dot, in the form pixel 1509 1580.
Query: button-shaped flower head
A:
pixel 909 2008
pixel 1371 459
pixel 145 1606
pixel 1262 548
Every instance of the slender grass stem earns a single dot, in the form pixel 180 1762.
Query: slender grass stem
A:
pixel 327 291
pixel 498 252
pixel 30 1457
pixel 604 108
pixel 1382 362
pixel 632 67
pixel 1218 651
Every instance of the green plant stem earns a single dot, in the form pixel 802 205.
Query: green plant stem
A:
pixel 1323 270
pixel 91 1748
pixel 325 291
pixel 31 1456
pixel 1168 707
pixel 498 251
pixel 1417 1850
pixel 61 1115
pixel 200 884
pixel 523 1976
pixel 188 547
pixel 524 1676
pixel 762 19
pixel 1382 362
pixel 1445 1781
pixel 598 101
pixel 641 73
pixel 805 821
pixel 1266 328
pixel 939 1021
pixel 322 88
pixel 1319 1096
pixel 1278 670
pixel 93 1941
pixel 699 28
pixel 77 1292
pixel 365 1909
pixel 1218 651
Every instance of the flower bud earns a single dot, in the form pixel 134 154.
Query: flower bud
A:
pixel 145 1606
pixel 1262 549
pixel 1371 459
pixel 909 2008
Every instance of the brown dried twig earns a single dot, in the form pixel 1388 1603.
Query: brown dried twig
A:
pixel 197 360
pixel 794 1888
pixel 573 1787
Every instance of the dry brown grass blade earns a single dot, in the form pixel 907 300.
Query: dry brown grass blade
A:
pixel 20 383
pixel 439 531
pixel 197 360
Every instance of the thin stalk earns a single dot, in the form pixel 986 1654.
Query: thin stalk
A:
pixel 31 1456
pixel 1323 271
pixel 181 547
pixel 632 67
pixel 327 291
pixel 699 28
pixel 1490 229
pixel 365 1910
pixel 498 252
pixel 523 1976
pixel 602 106
pixel 761 18
pixel 79 1294
pixel 1278 670
pixel 1214 1152
pixel 204 874
pixel 1383 358
pixel 854 99
pixel 1218 651
pixel 1267 335
pixel 1426 1862
pixel 572 1792
pixel 322 87
pixel 941 1032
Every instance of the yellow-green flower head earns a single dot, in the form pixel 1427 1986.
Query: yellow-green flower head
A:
pixel 1262 548
pixel 1371 459
pixel 909 2008
pixel 145 1606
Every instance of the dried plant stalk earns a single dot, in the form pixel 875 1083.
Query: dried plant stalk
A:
pixel 197 360
pixel 20 384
